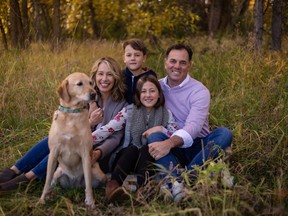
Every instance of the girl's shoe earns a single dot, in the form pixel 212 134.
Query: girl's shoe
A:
pixel 115 192
pixel 6 175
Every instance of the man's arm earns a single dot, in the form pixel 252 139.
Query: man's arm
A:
pixel 159 149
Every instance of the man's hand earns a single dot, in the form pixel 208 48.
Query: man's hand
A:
pixel 96 155
pixel 160 149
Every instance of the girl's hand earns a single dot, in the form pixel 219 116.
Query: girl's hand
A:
pixel 152 130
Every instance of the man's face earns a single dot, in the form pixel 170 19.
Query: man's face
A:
pixel 177 65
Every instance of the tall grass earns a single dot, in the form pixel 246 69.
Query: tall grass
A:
pixel 249 95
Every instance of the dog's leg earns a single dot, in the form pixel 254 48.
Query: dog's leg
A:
pixel 89 200
pixel 52 163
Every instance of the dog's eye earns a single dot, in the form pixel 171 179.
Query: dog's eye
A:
pixel 91 84
pixel 79 84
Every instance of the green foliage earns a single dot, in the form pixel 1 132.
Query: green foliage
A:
pixel 158 18
pixel 248 95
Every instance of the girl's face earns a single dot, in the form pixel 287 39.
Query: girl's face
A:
pixel 104 78
pixel 134 59
pixel 149 95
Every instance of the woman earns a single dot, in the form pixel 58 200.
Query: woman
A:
pixel 108 80
pixel 148 115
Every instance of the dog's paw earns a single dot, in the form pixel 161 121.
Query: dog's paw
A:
pixel 41 201
pixel 90 204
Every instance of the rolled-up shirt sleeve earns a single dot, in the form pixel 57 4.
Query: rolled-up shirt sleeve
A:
pixel 187 139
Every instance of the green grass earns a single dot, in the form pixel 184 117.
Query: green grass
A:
pixel 249 95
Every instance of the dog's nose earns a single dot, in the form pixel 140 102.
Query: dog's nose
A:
pixel 92 96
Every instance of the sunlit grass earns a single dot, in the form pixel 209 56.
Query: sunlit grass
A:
pixel 248 95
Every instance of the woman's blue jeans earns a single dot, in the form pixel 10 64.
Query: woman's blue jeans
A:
pixel 219 139
pixel 35 159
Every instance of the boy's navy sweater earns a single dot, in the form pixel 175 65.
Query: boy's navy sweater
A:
pixel 131 81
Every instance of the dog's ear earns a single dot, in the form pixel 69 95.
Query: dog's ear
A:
pixel 63 91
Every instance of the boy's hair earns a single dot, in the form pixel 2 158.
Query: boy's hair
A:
pixel 136 44
pixel 140 83
pixel 180 46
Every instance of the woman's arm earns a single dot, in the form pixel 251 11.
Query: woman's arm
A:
pixel 116 124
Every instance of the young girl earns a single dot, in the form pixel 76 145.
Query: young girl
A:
pixel 146 116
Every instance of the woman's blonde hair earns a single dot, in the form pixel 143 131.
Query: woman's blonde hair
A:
pixel 119 88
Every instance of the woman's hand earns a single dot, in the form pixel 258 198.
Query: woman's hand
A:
pixel 95 114
pixel 96 155
pixel 152 130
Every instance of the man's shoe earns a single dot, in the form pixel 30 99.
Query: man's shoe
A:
pixel 115 192
pixel 13 184
pixel 6 175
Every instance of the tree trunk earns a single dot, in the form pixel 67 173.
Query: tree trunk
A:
pixel 214 17
pixel 47 26
pixel 4 38
pixel 258 25
pixel 94 24
pixel 276 25
pixel 16 28
pixel 56 26
pixel 38 31
pixel 219 16
pixel 26 27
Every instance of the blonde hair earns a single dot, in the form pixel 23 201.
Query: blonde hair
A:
pixel 119 88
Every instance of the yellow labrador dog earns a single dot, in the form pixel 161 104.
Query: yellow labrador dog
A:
pixel 70 140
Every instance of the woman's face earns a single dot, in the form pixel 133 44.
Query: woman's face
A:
pixel 104 78
pixel 149 95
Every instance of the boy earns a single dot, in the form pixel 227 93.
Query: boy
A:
pixel 134 56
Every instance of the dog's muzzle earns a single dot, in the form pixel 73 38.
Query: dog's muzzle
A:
pixel 92 96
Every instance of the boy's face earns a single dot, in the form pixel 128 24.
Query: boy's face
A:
pixel 134 59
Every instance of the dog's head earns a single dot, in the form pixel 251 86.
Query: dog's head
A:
pixel 76 89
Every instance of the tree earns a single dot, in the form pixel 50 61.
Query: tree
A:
pixel 16 27
pixel 4 38
pixel 26 27
pixel 37 25
pixel 258 25
pixel 276 25
pixel 219 16
pixel 56 25
pixel 94 24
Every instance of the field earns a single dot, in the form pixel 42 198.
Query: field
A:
pixel 249 96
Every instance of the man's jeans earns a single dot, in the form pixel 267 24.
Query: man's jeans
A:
pixel 219 139
pixel 35 159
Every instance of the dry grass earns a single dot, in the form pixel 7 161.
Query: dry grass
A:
pixel 249 95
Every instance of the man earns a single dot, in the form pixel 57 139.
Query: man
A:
pixel 188 100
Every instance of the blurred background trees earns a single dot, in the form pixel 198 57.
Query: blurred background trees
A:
pixel 26 21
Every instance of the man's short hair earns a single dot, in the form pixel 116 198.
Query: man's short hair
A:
pixel 180 46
